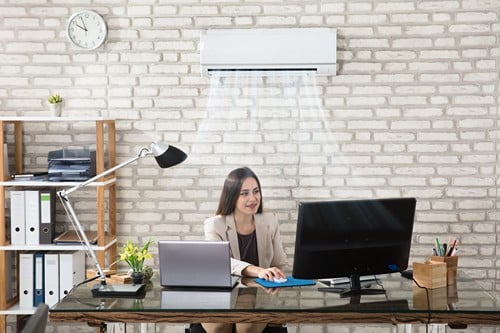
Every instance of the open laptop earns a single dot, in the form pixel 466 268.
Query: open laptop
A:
pixel 196 264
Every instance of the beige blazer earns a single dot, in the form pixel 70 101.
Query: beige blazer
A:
pixel 269 246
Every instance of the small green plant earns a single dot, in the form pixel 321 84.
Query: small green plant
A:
pixel 53 99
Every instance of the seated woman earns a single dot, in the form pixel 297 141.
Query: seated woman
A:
pixel 254 237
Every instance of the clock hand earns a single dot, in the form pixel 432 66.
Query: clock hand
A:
pixel 84 25
pixel 79 26
pixel 83 22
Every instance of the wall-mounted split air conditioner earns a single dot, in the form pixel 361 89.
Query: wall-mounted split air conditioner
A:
pixel 268 51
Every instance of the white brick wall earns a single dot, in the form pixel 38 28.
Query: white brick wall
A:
pixel 413 110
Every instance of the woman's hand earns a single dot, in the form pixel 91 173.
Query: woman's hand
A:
pixel 269 274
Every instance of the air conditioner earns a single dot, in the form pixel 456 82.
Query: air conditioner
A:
pixel 268 51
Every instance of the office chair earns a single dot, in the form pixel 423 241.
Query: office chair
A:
pixel 197 328
pixel 38 321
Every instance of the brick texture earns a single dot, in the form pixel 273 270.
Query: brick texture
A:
pixel 413 111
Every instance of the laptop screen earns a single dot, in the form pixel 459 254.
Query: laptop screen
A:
pixel 195 264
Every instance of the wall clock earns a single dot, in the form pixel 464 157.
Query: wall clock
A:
pixel 87 29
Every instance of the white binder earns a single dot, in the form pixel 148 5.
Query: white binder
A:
pixel 51 277
pixel 17 218
pixel 32 216
pixel 71 271
pixel 26 274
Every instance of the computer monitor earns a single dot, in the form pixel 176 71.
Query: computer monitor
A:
pixel 353 238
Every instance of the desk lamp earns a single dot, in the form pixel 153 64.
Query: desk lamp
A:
pixel 166 156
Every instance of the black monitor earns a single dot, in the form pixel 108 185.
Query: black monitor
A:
pixel 353 238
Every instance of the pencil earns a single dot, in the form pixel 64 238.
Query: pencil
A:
pixel 438 247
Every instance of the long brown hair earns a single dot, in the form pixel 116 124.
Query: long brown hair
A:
pixel 231 190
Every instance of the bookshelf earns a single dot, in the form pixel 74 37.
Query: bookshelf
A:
pixel 12 133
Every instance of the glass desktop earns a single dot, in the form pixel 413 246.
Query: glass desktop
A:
pixel 465 302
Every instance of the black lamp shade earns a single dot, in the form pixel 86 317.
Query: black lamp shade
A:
pixel 167 156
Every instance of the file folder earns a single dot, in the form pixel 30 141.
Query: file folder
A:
pixel 6 172
pixel 26 282
pixel 32 216
pixel 10 275
pixel 17 218
pixel 71 271
pixel 51 278
pixel 47 216
pixel 38 288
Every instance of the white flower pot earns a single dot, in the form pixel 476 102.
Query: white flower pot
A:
pixel 55 109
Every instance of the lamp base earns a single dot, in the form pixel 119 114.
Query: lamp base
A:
pixel 119 290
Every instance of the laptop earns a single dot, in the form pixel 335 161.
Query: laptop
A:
pixel 196 264
pixel 198 299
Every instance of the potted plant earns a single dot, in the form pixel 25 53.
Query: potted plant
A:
pixel 55 104
pixel 134 256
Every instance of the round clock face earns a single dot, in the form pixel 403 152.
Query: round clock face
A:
pixel 87 29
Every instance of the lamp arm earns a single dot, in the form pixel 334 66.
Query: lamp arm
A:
pixel 144 152
pixel 63 197
pixel 71 212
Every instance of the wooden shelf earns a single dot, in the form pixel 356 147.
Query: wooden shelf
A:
pixel 53 119
pixel 106 249
pixel 36 183
pixel 17 310
pixel 109 242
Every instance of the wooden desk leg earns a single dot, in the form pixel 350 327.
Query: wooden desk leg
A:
pixel 3 323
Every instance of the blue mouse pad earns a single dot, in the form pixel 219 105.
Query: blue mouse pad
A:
pixel 290 282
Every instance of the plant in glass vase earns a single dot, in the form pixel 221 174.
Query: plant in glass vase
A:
pixel 134 256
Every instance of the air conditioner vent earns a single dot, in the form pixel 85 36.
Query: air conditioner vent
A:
pixel 268 51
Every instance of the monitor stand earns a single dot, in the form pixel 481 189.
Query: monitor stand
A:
pixel 355 288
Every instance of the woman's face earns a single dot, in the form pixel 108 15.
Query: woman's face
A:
pixel 249 199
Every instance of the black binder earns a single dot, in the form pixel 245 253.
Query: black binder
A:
pixel 47 215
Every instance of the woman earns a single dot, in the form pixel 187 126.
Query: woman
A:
pixel 254 237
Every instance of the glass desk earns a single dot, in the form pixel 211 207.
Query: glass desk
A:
pixel 465 303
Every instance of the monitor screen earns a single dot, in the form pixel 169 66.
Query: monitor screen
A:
pixel 351 238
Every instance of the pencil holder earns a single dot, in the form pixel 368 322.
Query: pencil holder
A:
pixel 432 299
pixel 430 274
pixel 452 293
pixel 451 267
